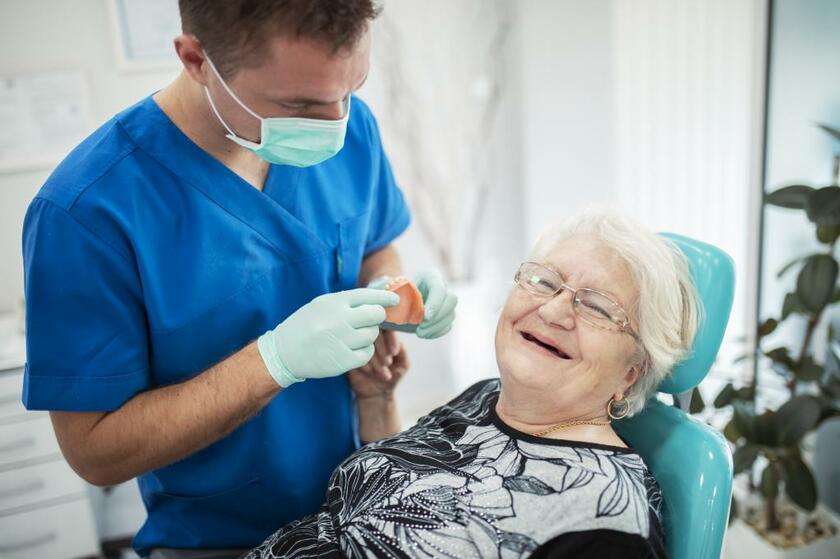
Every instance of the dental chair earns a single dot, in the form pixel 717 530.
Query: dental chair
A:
pixel 690 460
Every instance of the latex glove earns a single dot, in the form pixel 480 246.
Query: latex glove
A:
pixel 438 301
pixel 328 336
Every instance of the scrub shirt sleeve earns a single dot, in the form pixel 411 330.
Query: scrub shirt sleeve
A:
pixel 390 215
pixel 86 341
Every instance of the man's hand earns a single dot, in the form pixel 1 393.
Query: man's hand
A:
pixel 380 376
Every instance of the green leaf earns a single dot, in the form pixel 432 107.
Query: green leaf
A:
pixel 766 429
pixel 828 233
pixel 794 196
pixel 744 457
pixel 724 397
pixel 731 432
pixel 795 418
pixel 816 283
pixel 831 130
pixel 733 510
pixel 697 404
pixel 767 327
pixel 781 355
pixel 808 370
pixel 792 305
pixel 744 419
pixel 769 482
pixel 823 206
pixel 799 483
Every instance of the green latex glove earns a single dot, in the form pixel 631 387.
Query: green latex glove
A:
pixel 328 336
pixel 438 300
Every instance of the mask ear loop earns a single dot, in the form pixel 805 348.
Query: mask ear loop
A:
pixel 216 112
pixel 229 90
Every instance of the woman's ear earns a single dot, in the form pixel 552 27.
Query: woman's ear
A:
pixel 631 376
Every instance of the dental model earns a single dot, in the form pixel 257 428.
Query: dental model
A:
pixel 410 310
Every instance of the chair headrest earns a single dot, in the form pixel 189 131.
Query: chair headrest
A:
pixel 713 273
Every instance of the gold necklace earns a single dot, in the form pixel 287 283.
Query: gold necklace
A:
pixel 569 424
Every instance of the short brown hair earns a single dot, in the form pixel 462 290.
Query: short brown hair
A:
pixel 232 31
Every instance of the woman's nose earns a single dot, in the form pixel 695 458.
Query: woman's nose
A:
pixel 559 310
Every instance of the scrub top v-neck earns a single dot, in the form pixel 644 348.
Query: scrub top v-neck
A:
pixel 147 261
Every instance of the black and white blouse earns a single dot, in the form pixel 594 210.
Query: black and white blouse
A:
pixel 463 484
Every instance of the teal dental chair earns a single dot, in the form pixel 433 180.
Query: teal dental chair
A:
pixel 690 460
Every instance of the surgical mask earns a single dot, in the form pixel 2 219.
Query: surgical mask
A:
pixel 300 142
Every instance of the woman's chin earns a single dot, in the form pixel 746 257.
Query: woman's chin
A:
pixel 530 369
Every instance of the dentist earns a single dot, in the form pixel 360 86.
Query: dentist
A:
pixel 192 274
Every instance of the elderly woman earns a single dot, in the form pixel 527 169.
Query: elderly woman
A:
pixel 529 464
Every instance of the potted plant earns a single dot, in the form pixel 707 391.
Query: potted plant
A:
pixel 777 504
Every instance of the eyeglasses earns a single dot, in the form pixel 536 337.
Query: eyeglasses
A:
pixel 593 307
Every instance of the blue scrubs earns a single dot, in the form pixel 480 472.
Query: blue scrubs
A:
pixel 147 261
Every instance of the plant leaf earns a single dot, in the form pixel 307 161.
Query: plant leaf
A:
pixel 697 404
pixel 794 197
pixel 827 233
pixel 781 355
pixel 733 510
pixel 792 305
pixel 767 327
pixel 744 419
pixel 808 370
pixel 724 397
pixel 769 482
pixel 766 429
pixel 823 206
pixel 744 457
pixel 731 432
pixel 795 418
pixel 817 281
pixel 799 483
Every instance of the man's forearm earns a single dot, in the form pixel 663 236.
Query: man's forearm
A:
pixel 383 262
pixel 161 426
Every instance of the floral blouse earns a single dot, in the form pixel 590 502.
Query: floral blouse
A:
pixel 461 483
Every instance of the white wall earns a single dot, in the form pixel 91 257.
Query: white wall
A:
pixel 44 35
pixel 651 107
pixel 565 80
pixel 688 93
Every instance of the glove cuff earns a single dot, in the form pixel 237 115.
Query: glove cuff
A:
pixel 276 368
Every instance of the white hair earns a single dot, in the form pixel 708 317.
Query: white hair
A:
pixel 669 308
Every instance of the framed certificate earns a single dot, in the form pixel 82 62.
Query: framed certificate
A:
pixel 44 116
pixel 143 33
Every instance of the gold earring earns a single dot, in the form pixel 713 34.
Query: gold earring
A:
pixel 625 408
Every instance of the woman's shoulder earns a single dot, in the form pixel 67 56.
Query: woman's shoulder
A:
pixel 473 401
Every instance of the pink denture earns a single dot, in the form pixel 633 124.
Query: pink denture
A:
pixel 410 310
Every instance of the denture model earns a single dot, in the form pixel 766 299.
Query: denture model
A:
pixel 410 310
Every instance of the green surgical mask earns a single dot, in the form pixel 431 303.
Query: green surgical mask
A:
pixel 300 142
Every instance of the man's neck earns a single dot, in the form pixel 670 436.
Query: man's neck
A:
pixel 185 103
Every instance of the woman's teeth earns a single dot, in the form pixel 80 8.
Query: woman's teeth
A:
pixel 550 348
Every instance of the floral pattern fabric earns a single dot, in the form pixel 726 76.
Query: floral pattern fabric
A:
pixel 461 483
